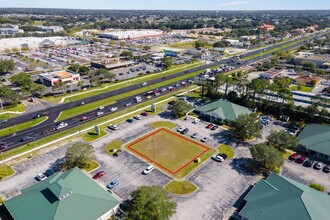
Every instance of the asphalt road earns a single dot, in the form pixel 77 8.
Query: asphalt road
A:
pixel 36 132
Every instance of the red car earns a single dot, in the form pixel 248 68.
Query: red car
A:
pixel 209 126
pixel 144 113
pixel 84 118
pixel 301 159
pixel 294 156
pixel 99 174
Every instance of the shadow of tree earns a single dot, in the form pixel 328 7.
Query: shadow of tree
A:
pixel 242 166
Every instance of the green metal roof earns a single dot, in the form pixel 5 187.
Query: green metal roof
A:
pixel 316 137
pixel 69 195
pixel 223 109
pixel 279 197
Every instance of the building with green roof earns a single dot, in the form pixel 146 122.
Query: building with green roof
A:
pixel 222 110
pixel 279 197
pixel 315 139
pixel 69 195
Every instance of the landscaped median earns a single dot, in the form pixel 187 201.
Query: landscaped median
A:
pixel 22 126
pixel 226 149
pixel 166 124
pixel 266 52
pixel 94 105
pixel 180 188
pixel 72 134
pixel 92 165
pixel 116 144
pixel 5 171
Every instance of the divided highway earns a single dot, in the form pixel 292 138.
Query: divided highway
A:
pixel 36 132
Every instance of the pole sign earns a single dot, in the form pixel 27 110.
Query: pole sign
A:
pixel 153 107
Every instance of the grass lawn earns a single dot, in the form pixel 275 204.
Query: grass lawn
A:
pixel 105 87
pixel 19 108
pixel 181 188
pixel 188 45
pixel 116 144
pixel 92 165
pixel 8 116
pixel 284 46
pixel 226 149
pixel 92 136
pixel 302 88
pixel 168 150
pixel 21 126
pixel 94 105
pixel 4 170
pixel 166 124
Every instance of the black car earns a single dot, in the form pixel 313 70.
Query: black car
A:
pixel 224 156
pixel 26 138
pixel 214 127
pixel 130 120
pixel 326 169
pixel 185 131
pixel 36 116
pixel 3 145
pixel 3 121
pixel 308 163
pixel 171 102
pixel 49 172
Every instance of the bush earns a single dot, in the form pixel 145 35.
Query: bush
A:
pixel 316 186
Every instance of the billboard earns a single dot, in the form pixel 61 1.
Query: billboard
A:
pixel 170 53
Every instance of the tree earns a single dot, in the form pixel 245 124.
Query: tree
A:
pixel 147 48
pixel 37 89
pixel 198 44
pixel 127 53
pixel 180 108
pixel 82 69
pixel 78 155
pixel 257 86
pixel 150 202
pixel 282 140
pixel 6 66
pixel 106 74
pixel 7 51
pixel 246 126
pixel 7 95
pixel 74 67
pixel 22 80
pixel 221 44
pixel 310 65
pixel 168 62
pixel 267 156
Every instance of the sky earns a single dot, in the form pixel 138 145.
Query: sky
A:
pixel 172 4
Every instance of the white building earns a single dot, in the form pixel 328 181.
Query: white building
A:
pixel 50 29
pixel 131 35
pixel 31 42
pixel 52 78
pixel 10 31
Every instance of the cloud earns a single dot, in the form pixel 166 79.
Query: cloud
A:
pixel 233 3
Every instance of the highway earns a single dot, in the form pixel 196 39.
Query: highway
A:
pixel 13 141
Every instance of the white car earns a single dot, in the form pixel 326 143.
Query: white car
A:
pixel 101 107
pixel 41 176
pixel 218 158
pixel 61 125
pixel 113 109
pixel 196 120
pixel 113 127
pixel 99 113
pixel 181 128
pixel 148 170
pixel 137 117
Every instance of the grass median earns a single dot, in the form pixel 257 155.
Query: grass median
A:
pixel 18 108
pixel 6 171
pixel 116 144
pixel 94 105
pixel 166 124
pixel 37 143
pixel 22 126
pixel 284 46
pixel 180 188
pixel 228 150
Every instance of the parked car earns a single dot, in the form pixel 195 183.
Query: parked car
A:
pixel 294 156
pixel 326 169
pixel 117 153
pixel 99 174
pixel 130 120
pixel 215 127
pixel 205 139
pixel 218 158
pixel 224 156
pixel 301 159
pixel 137 117
pixel 49 172
pixel 194 135
pixel 196 120
pixel 144 113
pixel 184 131
pixel 209 126
pixel 318 166
pixel 180 129
pixel 41 177
pixel 308 163
pixel 113 184
pixel 148 170
pixel 113 127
